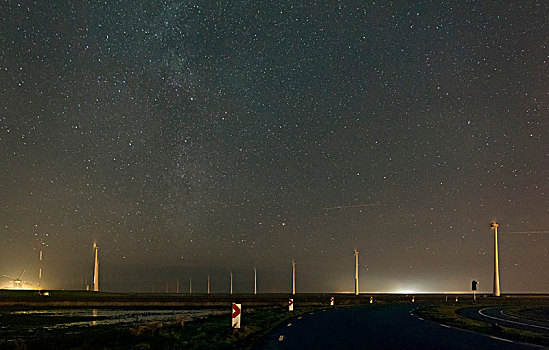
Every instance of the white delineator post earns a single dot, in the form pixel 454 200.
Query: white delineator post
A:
pixel 331 301
pixel 96 269
pixel 496 291
pixel 236 315
pixel 291 304
pixel 356 272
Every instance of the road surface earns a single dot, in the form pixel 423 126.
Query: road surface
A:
pixel 497 314
pixel 377 327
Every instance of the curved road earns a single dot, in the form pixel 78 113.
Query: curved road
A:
pixel 377 327
pixel 496 314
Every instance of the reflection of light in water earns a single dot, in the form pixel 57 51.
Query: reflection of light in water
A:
pixel 94 314
pixel 117 317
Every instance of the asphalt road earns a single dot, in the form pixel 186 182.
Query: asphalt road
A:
pixel 377 327
pixel 496 314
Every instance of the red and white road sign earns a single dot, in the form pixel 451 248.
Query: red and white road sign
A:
pixel 290 304
pixel 237 312
pixel 331 301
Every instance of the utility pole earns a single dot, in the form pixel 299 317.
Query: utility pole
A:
pixel 190 285
pixel 231 282
pixel 356 272
pixel 208 284
pixel 177 286
pixel 255 280
pixel 496 291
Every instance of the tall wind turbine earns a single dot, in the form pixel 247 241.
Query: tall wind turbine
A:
pixel 494 226
pixel 356 272
pixel 96 269
pixel 293 277
pixel 40 271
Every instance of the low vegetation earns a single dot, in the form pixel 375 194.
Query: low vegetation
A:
pixel 449 315
pixel 534 313
pixel 213 332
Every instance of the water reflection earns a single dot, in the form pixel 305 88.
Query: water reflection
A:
pixel 94 314
pixel 87 317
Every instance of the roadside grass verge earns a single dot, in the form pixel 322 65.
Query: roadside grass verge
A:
pixel 215 332
pixel 447 314
pixel 534 313
pixel 212 332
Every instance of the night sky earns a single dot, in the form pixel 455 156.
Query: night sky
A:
pixel 190 138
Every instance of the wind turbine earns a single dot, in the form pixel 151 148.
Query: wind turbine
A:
pixel 96 268
pixel 40 271
pixel 496 291
pixel 293 277
pixel 17 282
pixel 356 272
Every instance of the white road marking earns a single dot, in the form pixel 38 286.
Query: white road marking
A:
pixel 505 320
pixel 289 324
pixel 507 340
pixel 281 338
pixel 420 318
pixel 443 325
pixel 299 318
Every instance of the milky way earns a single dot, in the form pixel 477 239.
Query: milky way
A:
pixel 196 138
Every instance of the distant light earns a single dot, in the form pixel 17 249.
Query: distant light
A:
pixel 406 291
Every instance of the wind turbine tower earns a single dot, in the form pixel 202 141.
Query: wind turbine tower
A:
pixel 356 272
pixel 293 277
pixel 494 226
pixel 40 272
pixel 96 269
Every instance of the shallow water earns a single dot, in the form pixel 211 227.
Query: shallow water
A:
pixel 20 325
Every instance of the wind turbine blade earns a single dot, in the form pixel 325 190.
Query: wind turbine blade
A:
pixel 8 277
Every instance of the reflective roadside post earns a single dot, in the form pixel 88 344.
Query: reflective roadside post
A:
pixel 236 315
